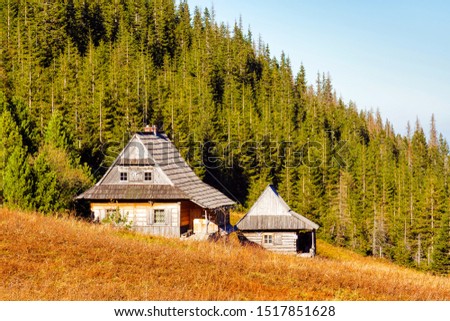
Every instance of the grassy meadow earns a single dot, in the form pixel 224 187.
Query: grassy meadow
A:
pixel 49 258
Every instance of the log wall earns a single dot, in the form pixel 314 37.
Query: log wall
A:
pixel 141 216
pixel 282 241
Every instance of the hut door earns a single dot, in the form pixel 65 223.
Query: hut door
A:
pixel 304 241
pixel 193 214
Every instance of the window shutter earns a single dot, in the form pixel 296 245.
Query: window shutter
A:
pixel 168 214
pixel 277 239
pixel 175 217
pixel 150 216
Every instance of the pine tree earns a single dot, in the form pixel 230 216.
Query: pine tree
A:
pixel 441 253
pixel 18 182
pixel 26 124
pixel 9 139
pixel 257 185
pixel 47 192
pixel 57 133
pixel 420 161
pixel 3 102
pixel 58 168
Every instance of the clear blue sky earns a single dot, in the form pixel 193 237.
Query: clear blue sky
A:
pixel 393 56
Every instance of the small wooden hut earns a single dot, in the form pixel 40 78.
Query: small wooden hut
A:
pixel 273 225
pixel 151 185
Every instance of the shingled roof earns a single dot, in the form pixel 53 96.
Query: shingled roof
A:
pixel 270 212
pixel 133 192
pixel 160 152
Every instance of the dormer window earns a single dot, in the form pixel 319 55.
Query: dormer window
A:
pixel 135 175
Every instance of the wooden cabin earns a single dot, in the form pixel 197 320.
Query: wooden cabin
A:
pixel 273 225
pixel 151 185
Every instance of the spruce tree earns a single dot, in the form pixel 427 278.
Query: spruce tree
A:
pixel 57 133
pixel 9 139
pixel 3 102
pixel 441 253
pixel 26 124
pixel 47 191
pixel 18 182
pixel 58 169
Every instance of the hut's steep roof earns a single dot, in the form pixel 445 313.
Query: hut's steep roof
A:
pixel 168 158
pixel 270 212
pixel 158 151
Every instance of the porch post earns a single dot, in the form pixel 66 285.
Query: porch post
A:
pixel 313 247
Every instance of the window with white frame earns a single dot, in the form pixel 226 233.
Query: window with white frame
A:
pixel 159 216
pixel 148 176
pixel 268 238
pixel 124 176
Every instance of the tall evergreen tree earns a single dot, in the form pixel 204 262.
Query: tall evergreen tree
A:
pixel 441 254
pixel 18 182
pixel 47 192
pixel 10 138
pixel 57 133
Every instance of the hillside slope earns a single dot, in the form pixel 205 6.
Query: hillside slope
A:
pixel 45 258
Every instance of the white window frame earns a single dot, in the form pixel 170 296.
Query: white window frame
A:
pixel 145 176
pixel 268 239
pixel 125 175
pixel 165 216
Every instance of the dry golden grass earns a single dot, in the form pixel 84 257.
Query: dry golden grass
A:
pixel 45 258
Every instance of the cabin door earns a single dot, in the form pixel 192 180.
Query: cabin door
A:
pixel 193 214
pixel 304 241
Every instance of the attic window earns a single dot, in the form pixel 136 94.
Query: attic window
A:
pixel 123 176
pixel 148 176
pixel 268 239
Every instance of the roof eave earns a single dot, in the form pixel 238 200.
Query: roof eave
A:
pixel 213 207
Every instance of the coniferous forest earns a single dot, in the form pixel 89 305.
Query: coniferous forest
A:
pixel 78 78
